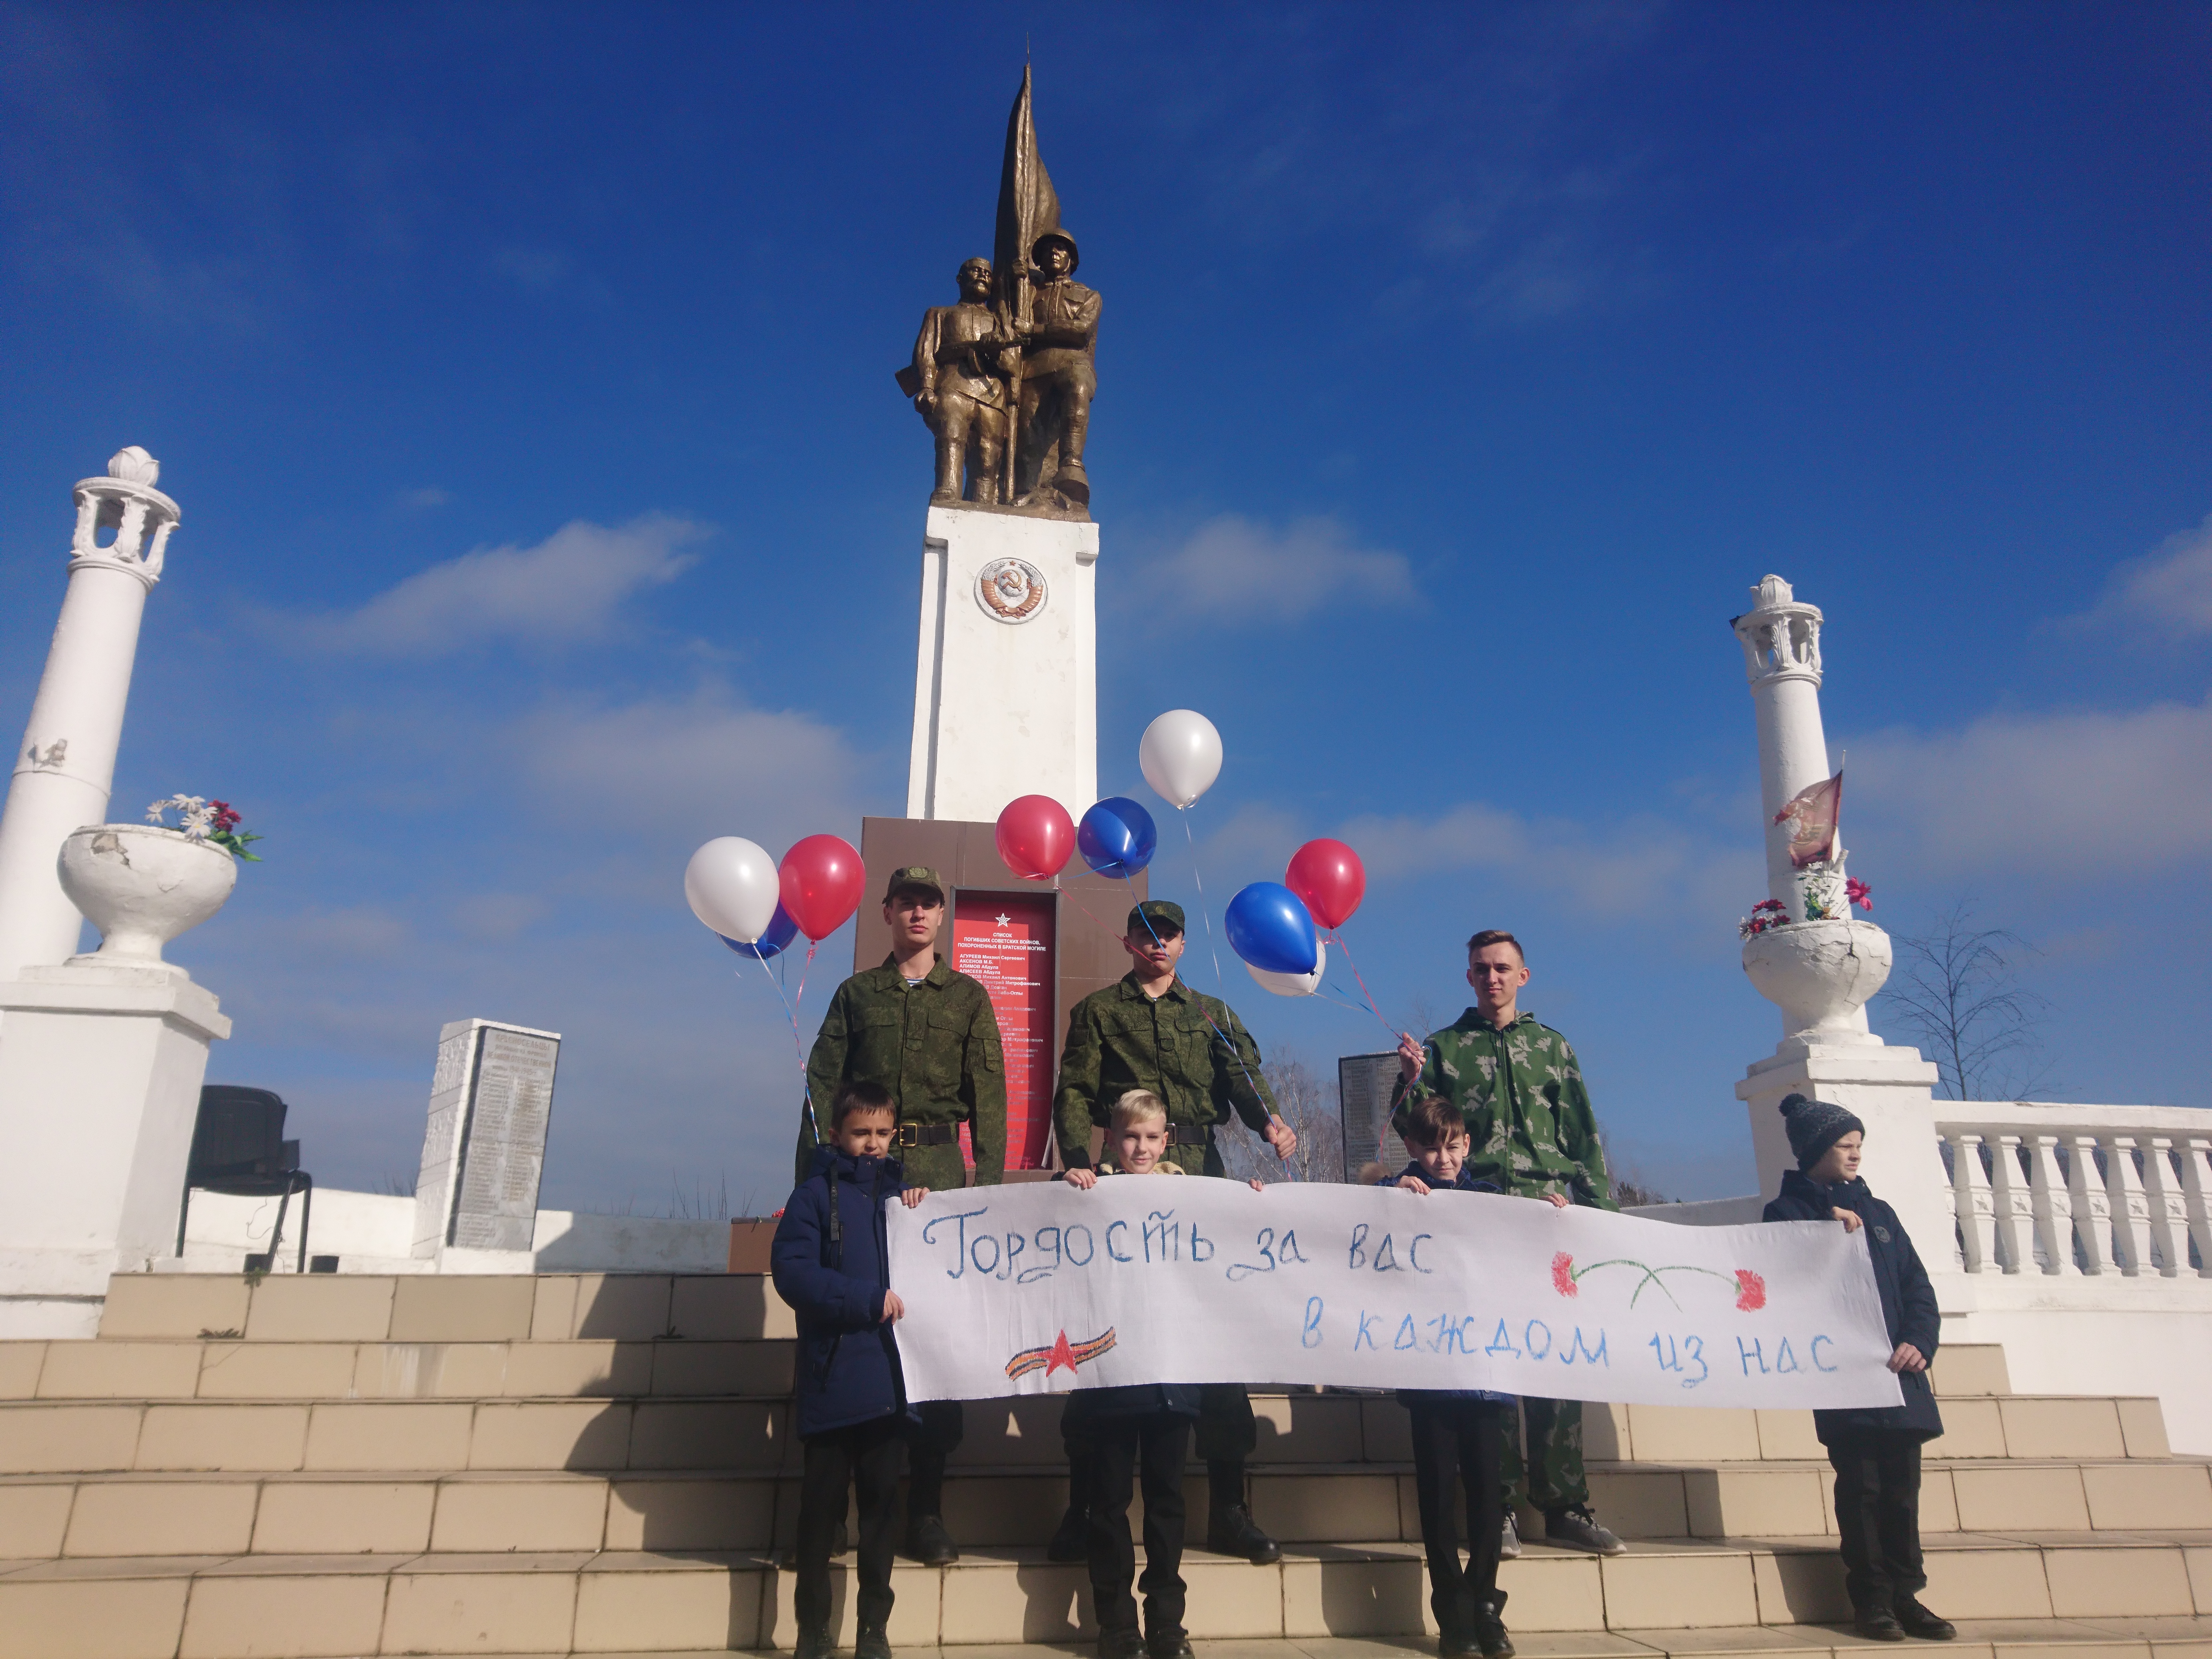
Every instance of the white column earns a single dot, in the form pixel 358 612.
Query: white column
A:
pixel 65 765
pixel 1781 640
pixel 1006 692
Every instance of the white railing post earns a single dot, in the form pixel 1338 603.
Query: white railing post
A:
pixel 2167 1218
pixel 2054 1214
pixel 2015 1213
pixel 2123 1192
pixel 2196 1195
pixel 1970 1196
pixel 2093 1211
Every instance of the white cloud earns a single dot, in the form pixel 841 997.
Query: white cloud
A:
pixel 1232 567
pixel 566 588
pixel 2063 795
pixel 2171 590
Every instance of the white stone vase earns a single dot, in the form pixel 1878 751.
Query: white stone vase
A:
pixel 141 886
pixel 1820 975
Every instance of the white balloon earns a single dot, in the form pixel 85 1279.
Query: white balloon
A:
pixel 733 887
pixel 1294 984
pixel 1181 756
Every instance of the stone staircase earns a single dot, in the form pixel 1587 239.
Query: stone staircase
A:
pixel 596 1463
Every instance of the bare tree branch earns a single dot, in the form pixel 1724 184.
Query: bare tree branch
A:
pixel 1308 1103
pixel 1956 989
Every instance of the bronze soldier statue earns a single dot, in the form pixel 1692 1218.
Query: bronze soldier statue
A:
pixel 1059 376
pixel 959 389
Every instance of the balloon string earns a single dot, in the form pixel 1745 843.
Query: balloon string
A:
pixel 805 1085
pixel 1219 984
pixel 1339 937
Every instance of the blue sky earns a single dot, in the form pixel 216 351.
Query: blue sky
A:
pixel 524 376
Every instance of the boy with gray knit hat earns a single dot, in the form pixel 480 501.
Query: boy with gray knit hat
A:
pixel 1875 1450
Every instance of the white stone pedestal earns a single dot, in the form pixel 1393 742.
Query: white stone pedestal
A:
pixel 100 1088
pixel 1006 694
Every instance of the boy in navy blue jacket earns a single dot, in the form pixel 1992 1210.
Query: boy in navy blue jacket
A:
pixel 1875 1449
pixel 832 1263
pixel 1456 1431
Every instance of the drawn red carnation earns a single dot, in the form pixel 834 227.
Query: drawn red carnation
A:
pixel 1751 1290
pixel 1563 1274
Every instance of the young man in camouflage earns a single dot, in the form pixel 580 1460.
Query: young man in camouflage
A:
pixel 929 1037
pixel 1531 1131
pixel 1149 1031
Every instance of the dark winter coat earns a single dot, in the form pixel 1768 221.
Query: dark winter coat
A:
pixel 1466 1181
pixel 1908 1303
pixel 848 1364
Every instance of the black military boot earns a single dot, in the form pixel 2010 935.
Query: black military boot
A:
pixel 872 1641
pixel 1918 1621
pixel 927 1542
pixel 1230 1528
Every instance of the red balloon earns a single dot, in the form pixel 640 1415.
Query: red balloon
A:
pixel 1328 876
pixel 820 879
pixel 1036 837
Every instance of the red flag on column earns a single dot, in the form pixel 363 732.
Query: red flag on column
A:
pixel 1811 815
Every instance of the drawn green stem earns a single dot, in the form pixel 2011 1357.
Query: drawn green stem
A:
pixel 1651 1275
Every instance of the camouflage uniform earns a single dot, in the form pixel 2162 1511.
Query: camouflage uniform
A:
pixel 1530 1129
pixel 1194 1053
pixel 934 1045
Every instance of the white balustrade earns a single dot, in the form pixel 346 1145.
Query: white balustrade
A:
pixel 2070 1190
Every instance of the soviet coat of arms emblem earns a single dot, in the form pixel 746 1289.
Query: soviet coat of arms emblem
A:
pixel 1012 590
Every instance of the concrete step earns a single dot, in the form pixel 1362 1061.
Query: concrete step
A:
pixel 473 1431
pixel 210 1607
pixel 415 1511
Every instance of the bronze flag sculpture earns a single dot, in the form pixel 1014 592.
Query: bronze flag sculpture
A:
pixel 1004 379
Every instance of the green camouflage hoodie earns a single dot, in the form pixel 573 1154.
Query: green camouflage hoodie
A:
pixel 1530 1128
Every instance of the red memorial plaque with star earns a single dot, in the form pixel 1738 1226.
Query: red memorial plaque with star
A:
pixel 1004 942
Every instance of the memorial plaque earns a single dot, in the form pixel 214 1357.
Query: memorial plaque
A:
pixel 1363 1083
pixel 484 1149
pixel 1004 942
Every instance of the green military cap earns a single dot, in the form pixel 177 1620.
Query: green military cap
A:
pixel 1156 916
pixel 914 876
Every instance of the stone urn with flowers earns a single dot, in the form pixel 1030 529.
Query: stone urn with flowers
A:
pixel 142 884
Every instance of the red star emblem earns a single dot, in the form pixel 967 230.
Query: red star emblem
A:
pixel 1063 1354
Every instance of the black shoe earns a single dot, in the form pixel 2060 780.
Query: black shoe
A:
pixel 1878 1624
pixel 815 1644
pixel 871 1644
pixel 927 1542
pixel 1577 1528
pixel 1177 1646
pixel 1072 1541
pixel 1458 1644
pixel 1121 1644
pixel 1490 1634
pixel 1232 1531
pixel 1915 1620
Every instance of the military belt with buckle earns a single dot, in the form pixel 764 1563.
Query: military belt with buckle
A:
pixel 1190 1134
pixel 928 1134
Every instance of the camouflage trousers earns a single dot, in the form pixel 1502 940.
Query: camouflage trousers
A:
pixel 1551 1478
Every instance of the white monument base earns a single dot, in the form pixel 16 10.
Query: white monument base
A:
pixel 100 1068
pixel 1005 695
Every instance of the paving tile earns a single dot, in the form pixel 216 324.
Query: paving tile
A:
pixel 20 1364
pixel 2137 1494
pixel 119 1370
pixel 463 1308
pixel 1352 1598
pixel 173 1304
pixel 626 1307
pixel 721 1368
pixel 2143 1426
pixel 2085 1583
pixel 2061 1428
pixel 659 1605
pixel 1998 1498
pixel 698 1514
pixel 1678 1591
pixel 306 1617
pixel 462 1612
pixel 320 1308
pixel 84 1618
pixel 582 1434
pixel 553 1309
pixel 552 1369
pixel 389 1435
pixel 33 1519
pixel 276 1370
pixel 227 1437
pixel 67 1439
pixel 729 1308
pixel 490 1515
pixel 1970 1582
pixel 345 1517
pixel 162 1517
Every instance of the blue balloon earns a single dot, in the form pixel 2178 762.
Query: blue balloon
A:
pixel 1117 837
pixel 1270 927
pixel 781 930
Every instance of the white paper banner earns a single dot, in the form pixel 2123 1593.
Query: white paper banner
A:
pixel 1040 1288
